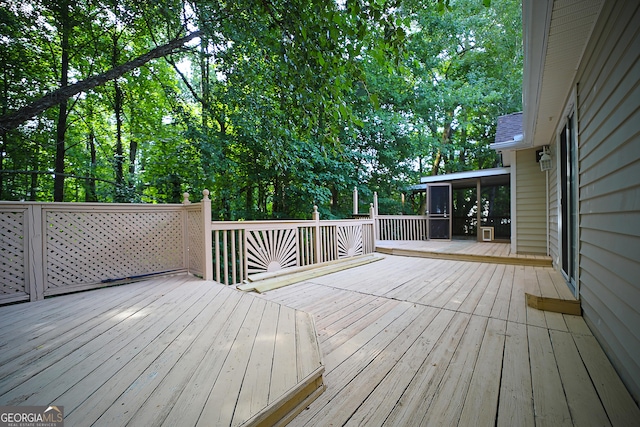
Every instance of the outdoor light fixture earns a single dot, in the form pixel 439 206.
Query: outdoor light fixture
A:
pixel 545 159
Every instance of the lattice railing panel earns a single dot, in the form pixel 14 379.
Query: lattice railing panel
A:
pixel 93 247
pixel 12 256
pixel 195 226
pixel 271 250
pixel 349 241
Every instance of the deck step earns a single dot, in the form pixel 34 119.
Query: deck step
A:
pixel 551 293
pixel 268 281
pixel 556 305
pixel 457 256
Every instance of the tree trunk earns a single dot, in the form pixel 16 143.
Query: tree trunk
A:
pixel 90 193
pixel 118 107
pixel 61 125
pixel 33 191
pixel 13 120
pixel 3 133
pixel 445 139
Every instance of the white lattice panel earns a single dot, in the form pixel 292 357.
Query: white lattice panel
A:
pixel 12 257
pixel 196 241
pixel 93 247
pixel 349 241
pixel 271 250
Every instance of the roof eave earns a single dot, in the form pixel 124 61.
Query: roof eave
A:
pixel 536 23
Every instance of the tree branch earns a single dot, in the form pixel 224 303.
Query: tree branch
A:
pixel 13 120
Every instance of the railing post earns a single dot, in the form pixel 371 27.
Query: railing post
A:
pixel 186 244
pixel 372 215
pixel 318 242
pixel 35 246
pixel 206 217
pixel 375 202
pixel 355 200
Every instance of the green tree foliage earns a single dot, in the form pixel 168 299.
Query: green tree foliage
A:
pixel 273 106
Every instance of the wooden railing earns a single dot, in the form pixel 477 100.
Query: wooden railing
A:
pixel 55 248
pixel 401 227
pixel 244 248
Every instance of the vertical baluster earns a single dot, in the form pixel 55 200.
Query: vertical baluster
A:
pixel 234 277
pixel 226 256
pixel 217 250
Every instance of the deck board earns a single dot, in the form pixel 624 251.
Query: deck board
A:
pixel 169 351
pixel 403 341
pixel 484 358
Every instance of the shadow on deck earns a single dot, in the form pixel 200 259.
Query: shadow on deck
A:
pixel 170 351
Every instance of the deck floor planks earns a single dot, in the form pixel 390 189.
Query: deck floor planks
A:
pixel 389 361
pixel 91 360
pixel 448 402
pixel 365 335
pixel 515 406
pixel 548 289
pixel 582 397
pixel 188 406
pixel 165 395
pixel 550 404
pixel 221 402
pixel 487 300
pixel 500 309
pixel 618 403
pixel 336 333
pixel 441 295
pixel 339 339
pixel 147 385
pixel 481 403
pixel 356 374
pixel 433 279
pixel 465 289
pixel 52 330
pixel 518 303
pixel 359 301
pixel 534 316
pixel 417 398
pixel 254 393
pixel 285 346
pixel 106 379
pixel 471 301
pixel 379 403
pixel 514 365
pixel 50 307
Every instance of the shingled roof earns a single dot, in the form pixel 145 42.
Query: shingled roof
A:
pixel 508 127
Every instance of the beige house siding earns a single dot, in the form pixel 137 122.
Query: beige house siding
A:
pixel 531 227
pixel 609 186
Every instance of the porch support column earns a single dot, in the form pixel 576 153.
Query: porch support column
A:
pixel 478 207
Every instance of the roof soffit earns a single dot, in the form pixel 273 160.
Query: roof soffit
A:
pixel 558 32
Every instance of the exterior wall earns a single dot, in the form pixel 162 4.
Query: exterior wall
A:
pixel 609 186
pixel 531 205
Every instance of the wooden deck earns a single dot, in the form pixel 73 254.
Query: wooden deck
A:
pixel 462 250
pixel 174 351
pixel 411 341
pixel 404 341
